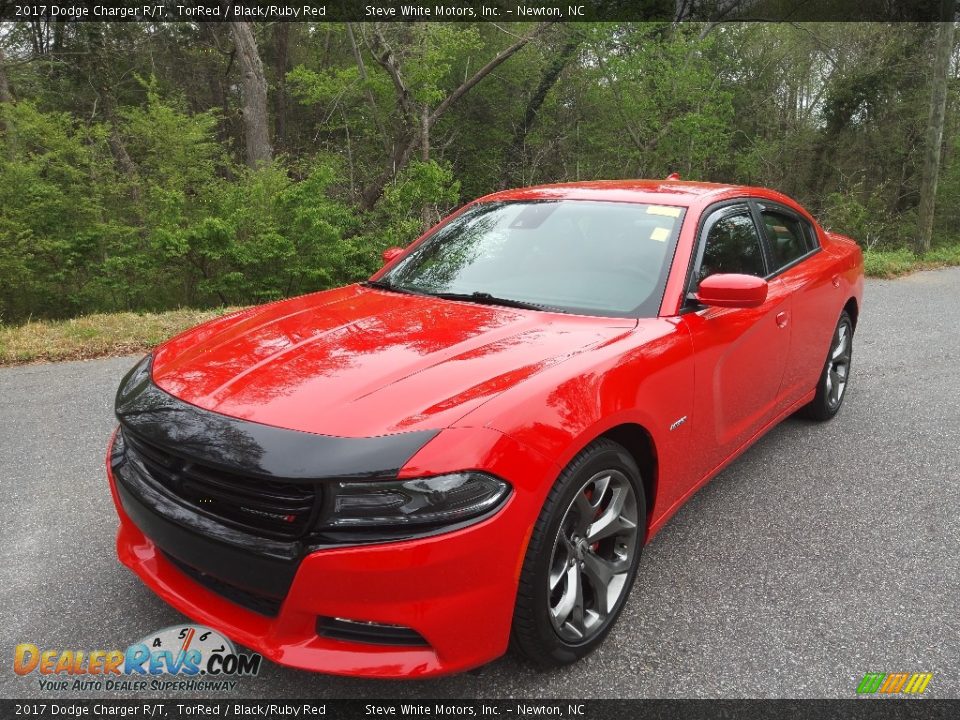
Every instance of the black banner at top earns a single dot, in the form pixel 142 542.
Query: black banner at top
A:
pixel 471 10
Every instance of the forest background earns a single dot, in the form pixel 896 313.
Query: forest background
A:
pixel 152 166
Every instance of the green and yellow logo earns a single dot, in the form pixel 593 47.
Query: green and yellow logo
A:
pixel 894 683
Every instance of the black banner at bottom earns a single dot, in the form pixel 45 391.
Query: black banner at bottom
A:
pixel 855 709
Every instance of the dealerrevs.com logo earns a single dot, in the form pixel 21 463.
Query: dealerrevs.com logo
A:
pixel 180 657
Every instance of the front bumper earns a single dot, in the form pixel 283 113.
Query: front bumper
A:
pixel 456 590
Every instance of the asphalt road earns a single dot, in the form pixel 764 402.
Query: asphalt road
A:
pixel 825 552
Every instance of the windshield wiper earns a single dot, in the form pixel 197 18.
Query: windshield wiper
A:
pixel 485 298
pixel 387 285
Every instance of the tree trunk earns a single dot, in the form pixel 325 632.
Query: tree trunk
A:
pixel 58 28
pixel 281 37
pixel 938 103
pixel 255 118
pixel 429 210
pixel 401 156
pixel 119 150
pixel 5 94
pixel 425 133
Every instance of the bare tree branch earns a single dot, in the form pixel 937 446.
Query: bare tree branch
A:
pixel 480 74
pixel 387 59
pixel 424 119
pixel 371 100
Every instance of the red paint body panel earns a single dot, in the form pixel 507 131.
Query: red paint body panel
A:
pixel 361 362
pixel 516 393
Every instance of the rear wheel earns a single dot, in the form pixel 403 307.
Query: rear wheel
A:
pixel 582 558
pixel 835 375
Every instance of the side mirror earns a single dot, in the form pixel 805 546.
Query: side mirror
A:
pixel 732 290
pixel 391 254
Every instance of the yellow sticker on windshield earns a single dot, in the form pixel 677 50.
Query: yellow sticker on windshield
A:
pixel 660 233
pixel 663 210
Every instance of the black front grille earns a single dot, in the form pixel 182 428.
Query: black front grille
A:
pixel 370 633
pixel 252 601
pixel 270 508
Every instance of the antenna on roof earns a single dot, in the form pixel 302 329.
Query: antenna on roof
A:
pixel 673 176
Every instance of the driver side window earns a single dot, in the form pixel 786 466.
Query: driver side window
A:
pixel 732 246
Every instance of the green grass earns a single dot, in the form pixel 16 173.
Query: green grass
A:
pixel 93 336
pixel 894 263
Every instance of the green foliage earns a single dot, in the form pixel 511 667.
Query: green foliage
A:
pixel 421 185
pixel 889 263
pixel 946 254
pixel 860 213
pixel 893 263
pixel 258 236
pixel 434 50
pixel 53 173
pixel 122 185
pixel 186 226
pixel 947 217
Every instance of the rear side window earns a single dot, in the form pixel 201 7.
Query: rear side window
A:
pixel 732 246
pixel 789 238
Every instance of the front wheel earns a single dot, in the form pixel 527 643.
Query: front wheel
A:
pixel 582 558
pixel 835 375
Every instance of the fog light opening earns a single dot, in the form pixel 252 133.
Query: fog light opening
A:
pixel 367 632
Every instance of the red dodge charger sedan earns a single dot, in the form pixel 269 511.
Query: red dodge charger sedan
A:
pixel 404 477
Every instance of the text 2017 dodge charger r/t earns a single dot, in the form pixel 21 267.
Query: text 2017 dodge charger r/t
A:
pixel 405 476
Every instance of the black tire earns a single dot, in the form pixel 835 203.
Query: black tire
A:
pixel 828 401
pixel 551 555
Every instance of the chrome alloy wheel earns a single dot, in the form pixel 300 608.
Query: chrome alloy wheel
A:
pixel 838 365
pixel 592 556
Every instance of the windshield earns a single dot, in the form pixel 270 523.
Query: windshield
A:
pixel 594 258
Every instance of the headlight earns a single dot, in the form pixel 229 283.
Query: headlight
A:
pixel 439 500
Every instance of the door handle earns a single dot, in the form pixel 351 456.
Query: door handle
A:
pixel 782 319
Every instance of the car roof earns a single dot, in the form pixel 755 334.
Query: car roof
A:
pixel 666 192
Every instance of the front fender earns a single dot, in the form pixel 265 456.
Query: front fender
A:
pixel 644 378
